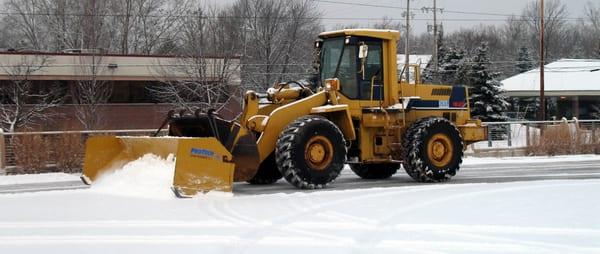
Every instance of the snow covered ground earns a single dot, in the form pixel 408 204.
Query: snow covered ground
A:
pixel 559 216
pixel 24 179
pixel 529 159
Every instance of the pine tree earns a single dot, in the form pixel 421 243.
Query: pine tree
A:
pixel 488 99
pixel 524 61
pixel 524 64
pixel 429 75
pixel 451 65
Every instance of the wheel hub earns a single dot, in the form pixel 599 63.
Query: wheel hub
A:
pixel 440 150
pixel 318 152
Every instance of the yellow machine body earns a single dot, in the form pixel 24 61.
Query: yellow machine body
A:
pixel 374 125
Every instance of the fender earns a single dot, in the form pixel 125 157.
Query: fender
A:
pixel 340 115
pixel 281 117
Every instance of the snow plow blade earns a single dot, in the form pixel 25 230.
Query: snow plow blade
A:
pixel 203 164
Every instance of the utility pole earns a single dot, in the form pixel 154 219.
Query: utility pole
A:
pixel 542 116
pixel 435 28
pixel 435 38
pixel 407 43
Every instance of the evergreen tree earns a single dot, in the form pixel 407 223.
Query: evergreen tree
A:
pixel 524 61
pixel 488 99
pixel 441 46
pixel 450 69
pixel 429 75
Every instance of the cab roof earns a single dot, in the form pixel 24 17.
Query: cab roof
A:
pixel 374 33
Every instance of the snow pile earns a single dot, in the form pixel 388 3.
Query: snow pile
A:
pixel 148 177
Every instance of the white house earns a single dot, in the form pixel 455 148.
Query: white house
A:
pixel 421 60
pixel 573 83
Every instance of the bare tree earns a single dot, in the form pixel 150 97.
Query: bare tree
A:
pixel 514 36
pixel 264 48
pixel 279 36
pixel 4 40
pixel 72 24
pixel 21 103
pixel 91 93
pixel 592 15
pixel 303 22
pixel 118 26
pixel 555 27
pixel 143 25
pixel 60 24
pixel 388 23
pixel 591 26
pixel 26 24
pixel 201 76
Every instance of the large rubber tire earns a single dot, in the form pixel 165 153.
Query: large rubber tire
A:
pixel 267 173
pixel 419 145
pixel 375 171
pixel 294 152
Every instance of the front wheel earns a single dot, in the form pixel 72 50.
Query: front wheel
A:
pixel 433 150
pixel 310 152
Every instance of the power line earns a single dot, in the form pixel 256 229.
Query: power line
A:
pixel 415 9
pixel 522 19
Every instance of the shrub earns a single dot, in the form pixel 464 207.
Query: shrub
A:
pixel 68 152
pixel 31 154
pixel 563 139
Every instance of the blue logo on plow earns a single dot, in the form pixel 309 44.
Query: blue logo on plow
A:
pixel 197 152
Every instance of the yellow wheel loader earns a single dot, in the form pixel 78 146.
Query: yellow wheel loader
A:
pixel 362 113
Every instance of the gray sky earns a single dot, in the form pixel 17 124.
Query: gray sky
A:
pixel 575 8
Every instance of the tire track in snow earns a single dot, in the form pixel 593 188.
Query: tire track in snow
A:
pixel 277 222
pixel 372 237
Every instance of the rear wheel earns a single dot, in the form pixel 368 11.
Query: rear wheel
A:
pixel 267 173
pixel 433 150
pixel 375 171
pixel 310 152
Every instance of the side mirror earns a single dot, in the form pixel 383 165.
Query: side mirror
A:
pixel 363 51
pixel 318 44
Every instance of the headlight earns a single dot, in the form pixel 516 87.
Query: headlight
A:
pixel 332 84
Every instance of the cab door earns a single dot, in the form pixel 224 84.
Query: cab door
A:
pixel 371 74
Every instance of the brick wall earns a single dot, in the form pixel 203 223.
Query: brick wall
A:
pixel 124 116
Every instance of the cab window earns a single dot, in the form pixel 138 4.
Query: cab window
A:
pixel 372 85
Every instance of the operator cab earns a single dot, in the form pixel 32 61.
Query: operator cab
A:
pixel 357 62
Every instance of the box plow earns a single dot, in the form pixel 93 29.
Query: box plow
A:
pixel 205 161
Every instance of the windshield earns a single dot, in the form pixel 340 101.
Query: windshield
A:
pixel 332 49
pixel 339 62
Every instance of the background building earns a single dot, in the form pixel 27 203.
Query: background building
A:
pixel 130 105
pixel 421 60
pixel 572 87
